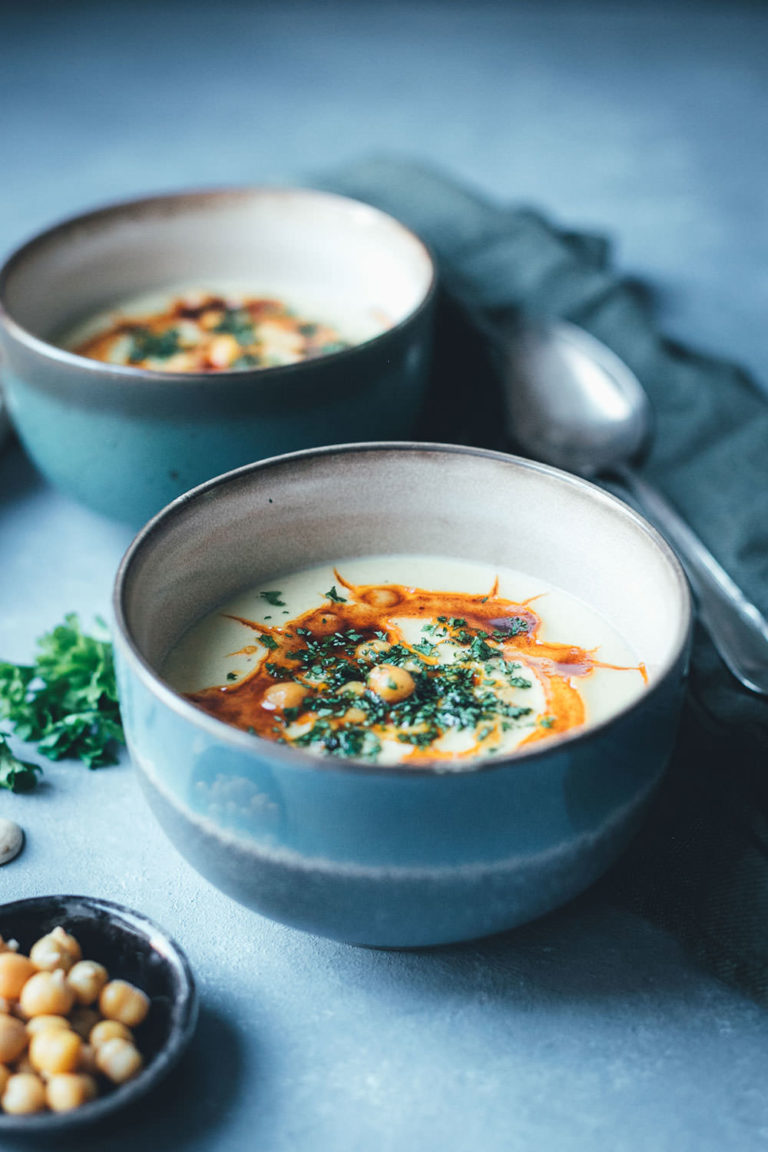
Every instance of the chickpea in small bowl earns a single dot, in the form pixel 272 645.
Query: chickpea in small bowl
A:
pixel 96 1005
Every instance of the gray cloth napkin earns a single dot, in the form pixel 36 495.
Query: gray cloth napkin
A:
pixel 700 866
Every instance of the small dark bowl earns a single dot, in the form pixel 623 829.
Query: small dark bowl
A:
pixel 131 947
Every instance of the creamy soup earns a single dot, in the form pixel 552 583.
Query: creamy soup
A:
pixel 404 659
pixel 205 330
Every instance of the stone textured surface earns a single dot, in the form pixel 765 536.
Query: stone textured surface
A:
pixel 589 1028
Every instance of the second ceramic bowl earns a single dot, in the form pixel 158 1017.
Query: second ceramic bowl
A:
pixel 126 440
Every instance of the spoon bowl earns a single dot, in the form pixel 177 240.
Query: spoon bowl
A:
pixel 576 405
pixel 573 403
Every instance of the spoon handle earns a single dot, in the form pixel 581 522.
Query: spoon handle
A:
pixel 738 630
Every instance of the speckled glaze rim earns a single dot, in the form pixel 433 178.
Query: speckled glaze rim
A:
pixel 169 200
pixel 245 742
pixel 185 1009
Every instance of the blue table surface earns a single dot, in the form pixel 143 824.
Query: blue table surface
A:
pixel 590 1028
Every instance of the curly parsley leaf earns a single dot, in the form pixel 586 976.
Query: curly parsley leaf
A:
pixel 66 701
pixel 16 775
pixel 274 598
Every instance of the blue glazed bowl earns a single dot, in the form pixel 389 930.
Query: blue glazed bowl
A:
pixel 126 440
pixel 397 856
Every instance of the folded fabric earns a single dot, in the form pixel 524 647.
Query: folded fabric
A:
pixel 700 866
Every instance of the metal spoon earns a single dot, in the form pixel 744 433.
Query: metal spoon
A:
pixel 574 404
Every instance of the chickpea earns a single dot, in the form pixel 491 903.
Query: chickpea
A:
pixel 13 1038
pixel 122 1001
pixel 211 317
pixel 118 1060
pixel 382 597
pixel 69 1090
pixel 328 622
pixel 108 1030
pixel 282 696
pixel 86 979
pixel 55 1050
pixel 8 945
pixel 41 1023
pixel 391 683
pixel 47 994
pixel 24 1093
pixel 56 950
pixel 354 716
pixel 222 350
pixel 5 1075
pixel 15 970
pixel 370 649
pixel 353 688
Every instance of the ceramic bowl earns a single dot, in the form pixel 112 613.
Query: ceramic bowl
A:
pixel 133 948
pixel 127 440
pixel 397 856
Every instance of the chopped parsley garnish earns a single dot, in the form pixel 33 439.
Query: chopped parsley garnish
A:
pixel 511 627
pixel 332 594
pixel 480 649
pixel 452 677
pixel 147 345
pixel 275 598
pixel 238 323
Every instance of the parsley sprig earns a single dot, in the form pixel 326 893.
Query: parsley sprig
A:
pixel 16 775
pixel 66 701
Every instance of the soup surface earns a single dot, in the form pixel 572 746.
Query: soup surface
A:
pixel 195 330
pixel 404 659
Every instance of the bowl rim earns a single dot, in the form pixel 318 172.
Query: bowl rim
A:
pixel 138 377
pixel 247 742
pixel 124 1094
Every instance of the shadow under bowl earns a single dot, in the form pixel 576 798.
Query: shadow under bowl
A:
pixel 131 947
pixel 403 855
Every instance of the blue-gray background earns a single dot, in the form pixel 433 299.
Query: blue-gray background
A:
pixel 646 121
